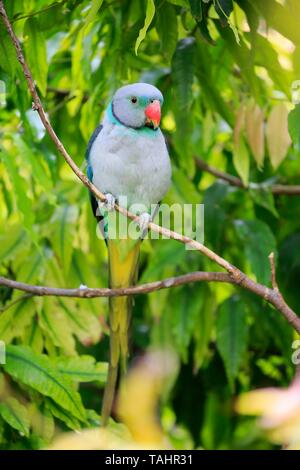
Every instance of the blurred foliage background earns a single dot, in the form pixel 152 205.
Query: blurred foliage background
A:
pixel 228 72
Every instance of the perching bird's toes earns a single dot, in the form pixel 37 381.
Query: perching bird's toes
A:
pixel 144 222
pixel 109 203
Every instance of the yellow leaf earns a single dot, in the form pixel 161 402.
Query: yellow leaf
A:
pixel 277 134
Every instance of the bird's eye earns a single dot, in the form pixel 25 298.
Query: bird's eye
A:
pixel 151 101
pixel 133 100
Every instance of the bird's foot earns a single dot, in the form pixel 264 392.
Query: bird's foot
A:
pixel 109 203
pixel 144 222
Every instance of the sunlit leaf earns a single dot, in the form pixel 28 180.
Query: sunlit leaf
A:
pixel 64 220
pixel 42 421
pixel 16 415
pixel 277 134
pixel 24 203
pixel 82 369
pixel 11 241
pixel 150 12
pixel 53 321
pixel 95 7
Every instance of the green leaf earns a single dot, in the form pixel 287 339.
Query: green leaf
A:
pixel 24 203
pixel 167 29
pixel 162 265
pixel 37 372
pixel 264 198
pixel 33 337
pixel 204 31
pixel 232 333
pixel 183 71
pixel 266 56
pixel 8 60
pixel 35 49
pixel 294 125
pixel 83 319
pixel 42 421
pixel 185 189
pixel 12 241
pixel 215 214
pixel 95 7
pixel 254 122
pixel 150 12
pixel 53 321
pixel 35 163
pixel 181 3
pixel 204 328
pixel 241 159
pixel 82 369
pixel 63 223
pixel 196 9
pixel 16 415
pixel 284 19
pixel 62 415
pixel 14 320
pixel 258 242
pixel 186 304
pixel 241 54
pixel 224 8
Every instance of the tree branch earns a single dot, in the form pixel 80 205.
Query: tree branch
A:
pixel 272 296
pixel 236 275
pixel 88 293
pixel 273 272
pixel 292 190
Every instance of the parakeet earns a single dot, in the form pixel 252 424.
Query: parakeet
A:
pixel 127 157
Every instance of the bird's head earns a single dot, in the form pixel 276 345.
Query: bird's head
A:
pixel 138 105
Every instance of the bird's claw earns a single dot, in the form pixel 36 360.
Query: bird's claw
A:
pixel 109 203
pixel 144 221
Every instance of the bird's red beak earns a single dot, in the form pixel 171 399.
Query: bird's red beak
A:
pixel 153 114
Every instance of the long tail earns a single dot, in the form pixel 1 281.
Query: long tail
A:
pixel 123 266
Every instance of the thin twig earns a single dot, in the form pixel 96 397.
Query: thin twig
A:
pixel 236 275
pixel 292 190
pixel 88 293
pixel 38 12
pixel 272 296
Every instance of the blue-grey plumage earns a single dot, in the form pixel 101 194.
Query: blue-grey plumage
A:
pixel 127 157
